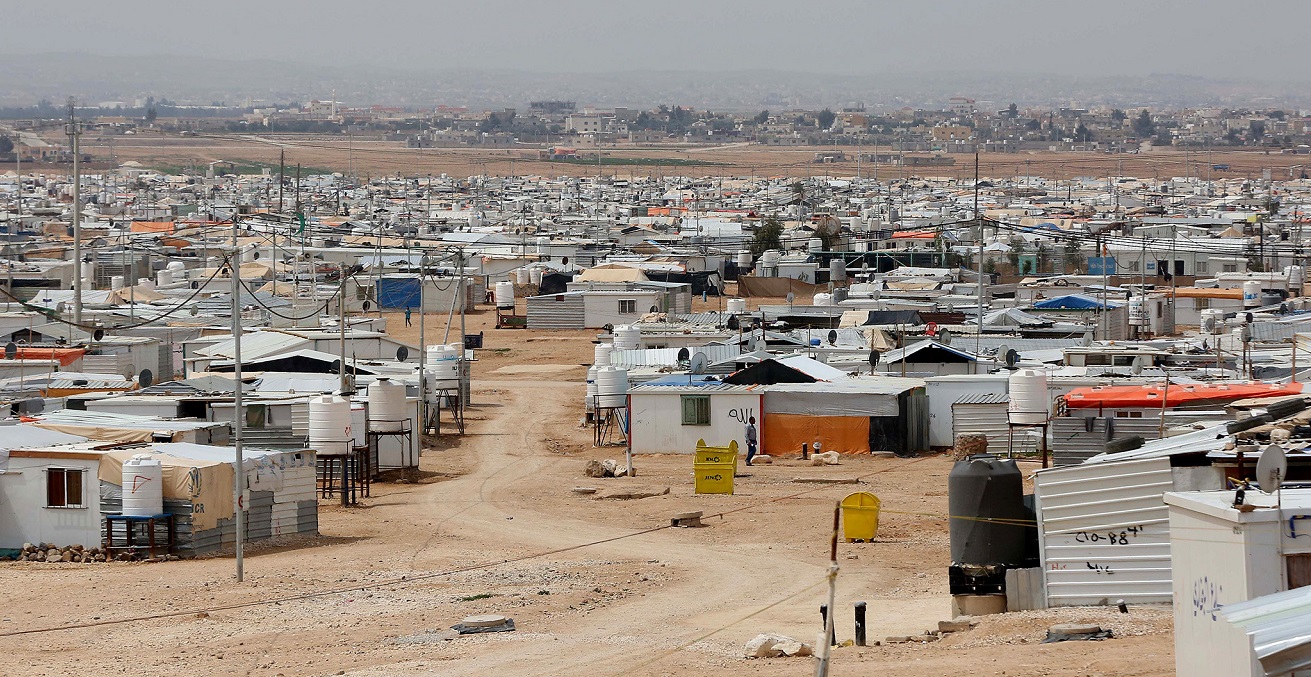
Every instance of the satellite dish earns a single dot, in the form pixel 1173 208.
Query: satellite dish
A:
pixel 98 335
pixel 366 306
pixel 1012 358
pixel 944 337
pixel 335 367
pixel 732 322
pixel 684 355
pixel 609 328
pixel 1248 318
pixel 11 350
pixel 832 337
pixel 791 298
pixel 146 378
pixel 654 309
pixel 1206 345
pixel 194 311
pixel 1087 339
pixel 1271 469
pixel 402 354
pixel 699 363
pixel 1139 364
pixel 564 260
pixel 1002 350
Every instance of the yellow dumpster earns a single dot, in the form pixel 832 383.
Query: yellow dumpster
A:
pixel 860 516
pixel 708 454
pixel 714 478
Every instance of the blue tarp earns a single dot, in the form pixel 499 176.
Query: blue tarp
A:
pixel 1073 302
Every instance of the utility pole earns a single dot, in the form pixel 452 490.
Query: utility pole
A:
pixel 341 323
pixel 978 283
pixel 73 134
pixel 238 414
pixel 282 175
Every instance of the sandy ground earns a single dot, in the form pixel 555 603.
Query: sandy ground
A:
pixel 373 158
pixel 595 586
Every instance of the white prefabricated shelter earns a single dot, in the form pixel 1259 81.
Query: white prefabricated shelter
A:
pixel 944 392
pixel 591 309
pixel 669 418
pixel 1103 529
pixel 1223 555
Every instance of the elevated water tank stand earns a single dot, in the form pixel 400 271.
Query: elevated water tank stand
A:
pixel 454 404
pixel 605 422
pixel 125 539
pixel 409 458
pixel 344 475
pixel 1010 439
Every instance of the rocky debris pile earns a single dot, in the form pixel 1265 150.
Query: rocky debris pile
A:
pixel 49 552
pixel 825 458
pixel 969 444
pixel 78 554
pixel 606 468
pixel 770 645
pixel 957 624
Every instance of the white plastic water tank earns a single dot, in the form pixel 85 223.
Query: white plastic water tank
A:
pixel 1296 279
pixel 88 270
pixel 861 289
pixel 737 306
pixel 543 245
pixel 330 425
pixel 744 260
pixel 628 337
pixel 504 293
pixel 386 400
pixel 1137 312
pixel 611 387
pixel 116 282
pixel 442 365
pixel 1028 397
pixel 521 276
pixel 535 277
pixel 143 486
pixel 164 278
pixel 359 424
pixel 601 354
pixel 475 220
pixel 823 299
pixel 590 398
pixel 176 266
pixel 1251 294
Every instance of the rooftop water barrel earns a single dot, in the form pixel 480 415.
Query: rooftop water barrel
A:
pixel 601 354
pixel 737 306
pixel 744 260
pixel 1296 279
pixel 176 266
pixel 611 387
pixel 628 337
pixel 359 424
pixel 386 400
pixel 823 299
pixel 985 500
pixel 1028 397
pixel 330 425
pixel 143 486
pixel 1251 294
pixel 164 278
pixel 543 244
pixel 475 220
pixel 116 282
pixel 535 277
pixel 504 293
pixel 521 276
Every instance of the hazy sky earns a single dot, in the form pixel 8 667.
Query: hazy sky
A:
pixel 1257 39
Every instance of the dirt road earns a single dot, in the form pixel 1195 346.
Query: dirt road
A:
pixel 594 586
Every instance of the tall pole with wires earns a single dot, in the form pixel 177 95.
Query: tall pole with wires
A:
pixel 978 336
pixel 238 414
pixel 73 134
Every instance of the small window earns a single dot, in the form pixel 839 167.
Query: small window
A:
pixel 627 306
pixel 64 488
pixel 1200 267
pixel 1231 267
pixel 696 410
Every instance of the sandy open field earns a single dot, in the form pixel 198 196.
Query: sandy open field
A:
pixel 600 587
pixel 374 158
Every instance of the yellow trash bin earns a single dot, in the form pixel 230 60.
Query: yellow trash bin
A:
pixel 714 478
pixel 708 454
pixel 860 516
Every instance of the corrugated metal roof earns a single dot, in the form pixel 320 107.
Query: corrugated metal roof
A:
pixel 1279 626
pixel 716 388
pixel 983 398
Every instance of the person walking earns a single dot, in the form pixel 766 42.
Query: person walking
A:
pixel 751 439
pixel 407 316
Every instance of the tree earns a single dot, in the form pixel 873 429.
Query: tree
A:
pixel 1258 129
pixel 761 118
pixel 769 235
pixel 826 118
pixel 1143 125
pixel 6 145
pixel 151 115
pixel 1012 111
pixel 1033 125
pixel 1082 134
pixel 1119 115
pixel 1073 254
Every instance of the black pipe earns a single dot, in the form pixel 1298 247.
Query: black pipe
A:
pixel 832 635
pixel 860 624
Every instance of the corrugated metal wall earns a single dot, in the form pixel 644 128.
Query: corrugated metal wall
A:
pixel 1105 533
pixel 555 312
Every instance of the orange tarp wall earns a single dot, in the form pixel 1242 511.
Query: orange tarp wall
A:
pixel 785 433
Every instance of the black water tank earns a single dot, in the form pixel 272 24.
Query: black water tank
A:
pixel 985 495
